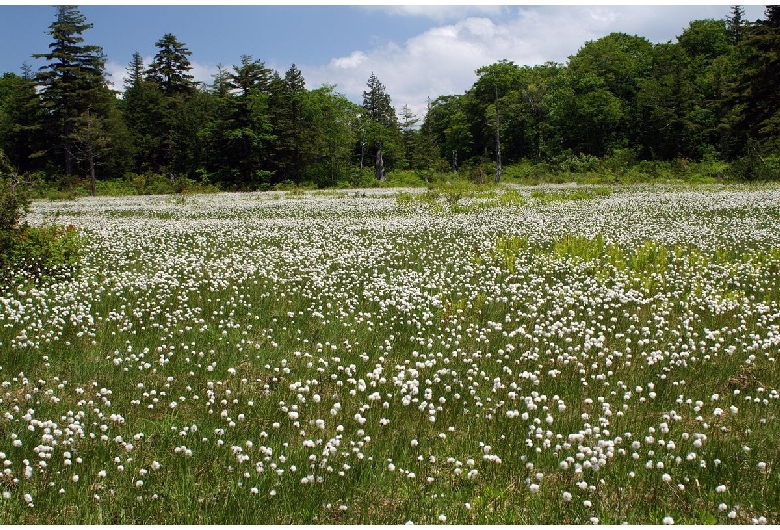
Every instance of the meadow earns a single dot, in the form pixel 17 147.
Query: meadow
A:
pixel 564 355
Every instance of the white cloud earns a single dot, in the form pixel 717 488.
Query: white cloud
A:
pixel 353 60
pixel 443 59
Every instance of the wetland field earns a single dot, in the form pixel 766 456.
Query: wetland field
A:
pixel 539 355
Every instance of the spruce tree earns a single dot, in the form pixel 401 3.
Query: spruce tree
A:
pixel 21 121
pixel 170 67
pixel 73 81
pixel 169 73
pixel 757 99
pixel 735 24
pixel 143 109
pixel 382 131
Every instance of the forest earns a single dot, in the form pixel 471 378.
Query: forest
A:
pixel 710 96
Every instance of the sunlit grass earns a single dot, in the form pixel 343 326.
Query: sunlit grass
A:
pixel 508 355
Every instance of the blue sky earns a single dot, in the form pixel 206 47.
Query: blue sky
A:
pixel 416 51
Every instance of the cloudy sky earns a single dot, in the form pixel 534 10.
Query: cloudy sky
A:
pixel 417 52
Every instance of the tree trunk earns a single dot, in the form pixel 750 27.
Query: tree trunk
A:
pixel 379 166
pixel 92 173
pixel 498 144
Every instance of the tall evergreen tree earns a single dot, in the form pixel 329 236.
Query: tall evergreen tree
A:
pixel 757 98
pixel 382 130
pixel 289 125
pixel 73 82
pixel 250 76
pixel 169 72
pixel 144 110
pixel 221 85
pixel 171 66
pixel 239 134
pixel 135 72
pixel 21 121
pixel 736 24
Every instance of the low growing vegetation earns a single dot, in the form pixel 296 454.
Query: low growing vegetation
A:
pixel 486 355
pixel 30 251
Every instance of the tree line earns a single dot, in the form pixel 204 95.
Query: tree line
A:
pixel 711 94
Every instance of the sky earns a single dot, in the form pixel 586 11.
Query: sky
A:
pixel 417 52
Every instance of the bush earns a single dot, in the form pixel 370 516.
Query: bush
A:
pixel 13 205
pixel 754 167
pixel 42 251
pixel 25 250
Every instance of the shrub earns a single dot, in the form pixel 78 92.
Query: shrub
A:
pixel 13 205
pixel 25 250
pixel 42 251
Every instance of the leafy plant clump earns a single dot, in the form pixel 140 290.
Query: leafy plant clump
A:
pixel 25 250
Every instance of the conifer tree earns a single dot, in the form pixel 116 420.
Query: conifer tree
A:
pixel 171 66
pixel 757 99
pixel 382 131
pixel 73 81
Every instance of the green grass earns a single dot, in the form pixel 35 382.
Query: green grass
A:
pixel 428 356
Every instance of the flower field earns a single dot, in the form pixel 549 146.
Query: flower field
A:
pixel 564 355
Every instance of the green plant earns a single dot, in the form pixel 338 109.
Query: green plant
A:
pixel 14 203
pixel 43 251
pixel 31 251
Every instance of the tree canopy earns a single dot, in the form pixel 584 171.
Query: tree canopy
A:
pixel 712 93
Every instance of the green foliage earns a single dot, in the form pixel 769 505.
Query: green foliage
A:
pixel 30 251
pixel 13 206
pixel 622 110
pixel 753 167
pixel 73 82
pixel 42 251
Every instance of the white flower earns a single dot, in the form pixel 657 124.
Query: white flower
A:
pixel 668 520
pixel 566 496
pixel 721 488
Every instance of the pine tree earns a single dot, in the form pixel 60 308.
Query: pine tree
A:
pixel 382 131
pixel 292 137
pixel 735 24
pixel 21 121
pixel 757 99
pixel 135 72
pixel 170 67
pixel 221 85
pixel 169 74
pixel 251 75
pixel 143 108
pixel 74 79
